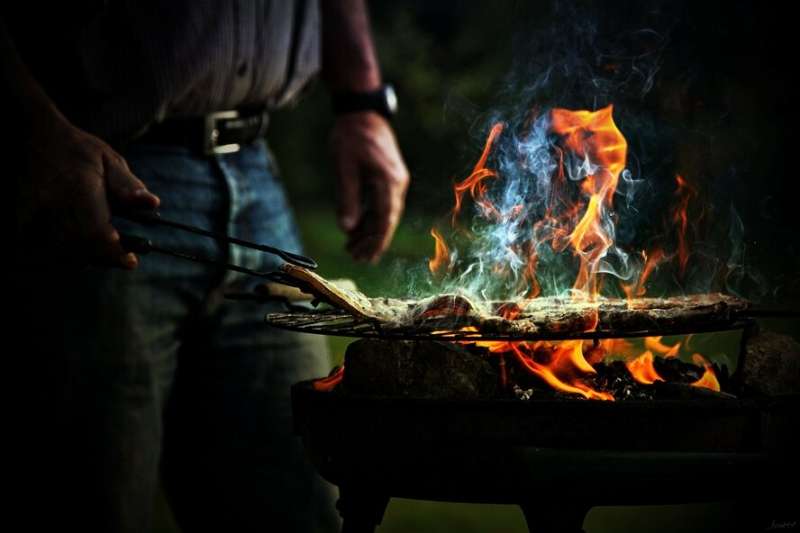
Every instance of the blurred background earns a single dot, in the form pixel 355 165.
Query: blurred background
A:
pixel 698 87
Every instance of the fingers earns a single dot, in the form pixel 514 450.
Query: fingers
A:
pixel 124 189
pixel 68 194
pixel 373 183
pixel 101 237
pixel 385 203
pixel 349 201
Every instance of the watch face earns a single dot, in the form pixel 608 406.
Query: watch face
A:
pixel 391 99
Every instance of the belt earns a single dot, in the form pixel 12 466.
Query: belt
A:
pixel 220 132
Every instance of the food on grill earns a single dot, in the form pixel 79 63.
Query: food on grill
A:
pixel 538 316
pixel 352 301
pixel 273 289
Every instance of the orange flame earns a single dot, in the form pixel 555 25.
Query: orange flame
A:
pixel 655 344
pixel 329 383
pixel 474 183
pixel 592 135
pixel 561 365
pixel 685 192
pixel 708 380
pixel 583 226
pixel 642 369
pixel 441 258
pixel 639 288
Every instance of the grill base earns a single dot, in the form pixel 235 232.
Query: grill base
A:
pixel 555 459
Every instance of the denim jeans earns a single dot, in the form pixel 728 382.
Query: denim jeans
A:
pixel 153 371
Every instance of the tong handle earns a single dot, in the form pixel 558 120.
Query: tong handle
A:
pixel 142 245
pixel 155 219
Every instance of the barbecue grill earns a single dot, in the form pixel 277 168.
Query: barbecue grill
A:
pixel 555 457
pixel 544 455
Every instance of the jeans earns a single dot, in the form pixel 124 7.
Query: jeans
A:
pixel 153 372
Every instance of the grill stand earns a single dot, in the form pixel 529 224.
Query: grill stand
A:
pixel 533 453
pixel 361 509
pixel 555 517
pixel 362 512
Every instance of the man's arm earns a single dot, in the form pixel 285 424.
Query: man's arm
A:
pixel 68 177
pixel 373 178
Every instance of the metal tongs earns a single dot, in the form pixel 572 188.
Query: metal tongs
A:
pixel 142 245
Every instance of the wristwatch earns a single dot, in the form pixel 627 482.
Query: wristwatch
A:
pixel 383 101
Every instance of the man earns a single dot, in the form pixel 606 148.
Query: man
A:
pixel 129 105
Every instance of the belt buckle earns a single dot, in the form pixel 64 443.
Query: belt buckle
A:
pixel 210 145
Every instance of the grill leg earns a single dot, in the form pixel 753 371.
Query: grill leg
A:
pixel 555 517
pixel 361 510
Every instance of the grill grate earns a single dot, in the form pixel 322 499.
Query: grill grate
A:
pixel 338 323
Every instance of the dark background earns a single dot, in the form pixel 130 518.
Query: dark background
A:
pixel 700 88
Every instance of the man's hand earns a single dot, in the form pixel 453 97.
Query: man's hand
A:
pixel 373 180
pixel 67 186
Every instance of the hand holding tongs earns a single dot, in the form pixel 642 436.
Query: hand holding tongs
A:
pixel 142 245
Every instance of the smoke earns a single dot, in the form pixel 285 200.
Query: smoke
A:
pixel 640 58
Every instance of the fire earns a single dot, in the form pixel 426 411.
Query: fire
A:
pixel 579 159
pixel 475 181
pixel 592 136
pixel 329 383
pixel 441 258
pixel 655 344
pixel 561 365
pixel 685 192
pixel 708 379
pixel 651 261
pixel 642 369
pixel 581 226
pixel 558 202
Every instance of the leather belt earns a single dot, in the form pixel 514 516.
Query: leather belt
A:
pixel 220 132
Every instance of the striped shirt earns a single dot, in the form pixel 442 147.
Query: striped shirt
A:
pixel 116 66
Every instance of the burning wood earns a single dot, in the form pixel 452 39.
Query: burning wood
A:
pixel 435 370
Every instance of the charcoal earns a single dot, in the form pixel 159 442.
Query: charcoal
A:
pixel 673 370
pixel 615 378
